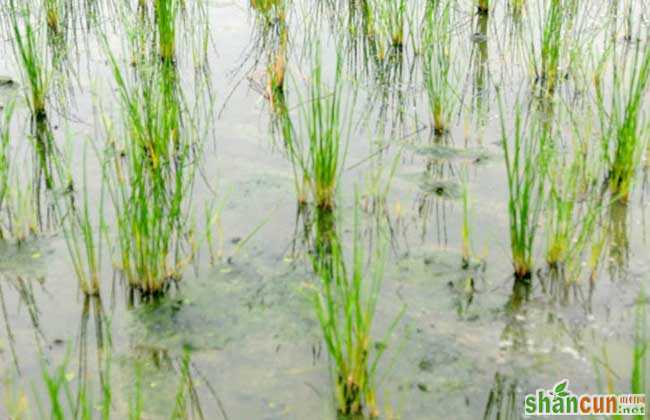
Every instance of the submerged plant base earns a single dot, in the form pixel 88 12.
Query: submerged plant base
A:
pixel 523 274
pixel 523 268
pixel 140 294
pixel 326 204
pixel 439 125
pixel 619 185
pixel 39 114
pixel 168 59
pixel 465 262
pixel 440 131
pixel 351 393
pixel 547 84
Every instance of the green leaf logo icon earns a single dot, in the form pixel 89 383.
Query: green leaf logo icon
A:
pixel 560 389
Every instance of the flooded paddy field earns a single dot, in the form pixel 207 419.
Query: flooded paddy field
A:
pixel 302 209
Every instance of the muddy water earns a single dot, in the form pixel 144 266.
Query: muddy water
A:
pixel 471 342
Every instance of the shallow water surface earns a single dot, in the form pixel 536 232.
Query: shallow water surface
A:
pixel 470 342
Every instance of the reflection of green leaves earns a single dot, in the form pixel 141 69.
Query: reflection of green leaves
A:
pixel 560 389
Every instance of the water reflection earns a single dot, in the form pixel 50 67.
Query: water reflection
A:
pixel 28 191
pixel 92 307
pixel 563 289
pixel 438 185
pixel 24 288
pixel 619 244
pixel 479 70
pixel 514 336
pixel 178 376
pixel 503 402
pixel 48 174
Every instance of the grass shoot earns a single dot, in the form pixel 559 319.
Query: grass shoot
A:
pixel 30 54
pixel 150 180
pixel 317 147
pixel 84 241
pixel 437 65
pixel 345 304
pixel 621 123
pixel 526 158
